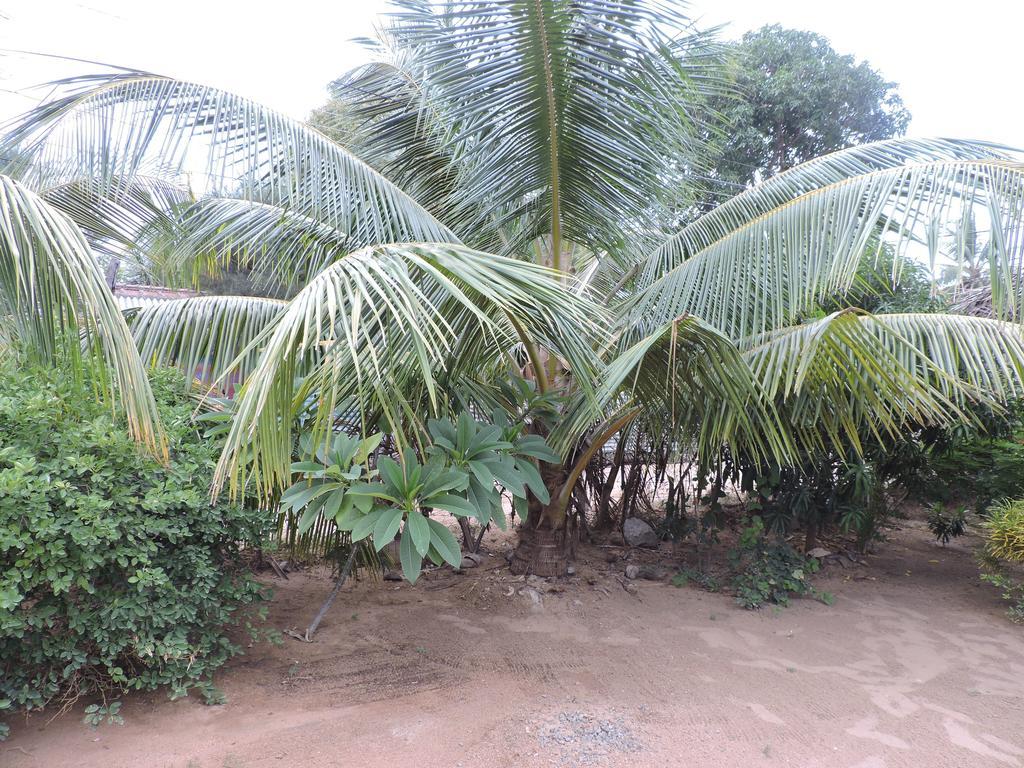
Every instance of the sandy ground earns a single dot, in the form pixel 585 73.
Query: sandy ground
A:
pixel 914 665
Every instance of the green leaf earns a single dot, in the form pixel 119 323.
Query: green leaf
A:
pixel 364 525
pixel 308 518
pixel 386 527
pixel 417 526
pixel 332 506
pixel 465 429
pixel 482 473
pixel 373 491
pixel 533 479
pixel 308 467
pixel 444 480
pixel 303 496
pixel 481 500
pixel 442 430
pixel 537 447
pixel 498 515
pixel 456 505
pixel 434 556
pixel 392 474
pixel 446 545
pixel 505 472
pixel 521 507
pixel 366 447
pixel 349 512
pixel 411 560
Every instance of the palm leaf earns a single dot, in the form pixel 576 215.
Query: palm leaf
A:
pixel 848 371
pixel 208 337
pixel 567 118
pixel 763 272
pixel 109 127
pixel 386 322
pixel 51 290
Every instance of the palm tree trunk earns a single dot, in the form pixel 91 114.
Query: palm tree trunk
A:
pixel 543 548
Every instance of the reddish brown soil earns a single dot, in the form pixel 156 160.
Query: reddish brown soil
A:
pixel 914 665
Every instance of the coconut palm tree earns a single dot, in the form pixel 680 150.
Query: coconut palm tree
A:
pixel 511 201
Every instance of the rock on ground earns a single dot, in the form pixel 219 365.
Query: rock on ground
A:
pixel 638 533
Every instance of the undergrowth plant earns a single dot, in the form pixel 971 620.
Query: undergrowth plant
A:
pixel 770 571
pixel 116 571
pixel 463 471
pixel 1003 553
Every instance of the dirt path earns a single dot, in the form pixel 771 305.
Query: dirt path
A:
pixel 914 665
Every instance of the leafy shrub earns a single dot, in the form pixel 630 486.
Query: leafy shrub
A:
pixel 945 524
pixel 1004 530
pixel 116 572
pixel 1004 543
pixel 768 572
pixel 469 464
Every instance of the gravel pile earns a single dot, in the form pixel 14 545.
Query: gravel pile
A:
pixel 582 739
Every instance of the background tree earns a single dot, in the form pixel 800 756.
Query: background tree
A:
pixel 797 98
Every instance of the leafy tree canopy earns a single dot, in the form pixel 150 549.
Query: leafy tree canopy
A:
pixel 800 99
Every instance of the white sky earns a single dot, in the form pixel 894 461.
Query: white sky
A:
pixel 957 64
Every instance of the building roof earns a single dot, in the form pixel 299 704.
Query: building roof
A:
pixel 139 296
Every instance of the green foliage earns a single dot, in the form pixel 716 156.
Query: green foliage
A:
pixel 493 456
pixel 1010 587
pixel 1004 531
pixel 1004 544
pixel 704 580
pixel 326 481
pixel 946 524
pixel 885 282
pixel 467 466
pixel 800 99
pixel 116 572
pixel 968 464
pixel 769 572
pixel 95 714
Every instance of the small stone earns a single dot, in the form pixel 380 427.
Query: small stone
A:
pixel 818 552
pixel 638 533
pixel 570 570
pixel 392 575
pixel 649 572
pixel 632 588
pixel 468 562
pixel 536 601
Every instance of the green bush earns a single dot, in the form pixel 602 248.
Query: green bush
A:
pixel 1004 531
pixel 767 572
pixel 116 572
pixel 1004 545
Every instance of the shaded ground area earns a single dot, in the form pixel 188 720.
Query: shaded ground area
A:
pixel 914 665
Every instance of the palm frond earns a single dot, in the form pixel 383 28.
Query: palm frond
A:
pixel 848 371
pixel 570 115
pixel 785 187
pixel 385 322
pixel 131 220
pixel 400 126
pixel 689 381
pixel 761 273
pixel 118 126
pixel 209 337
pixel 52 290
